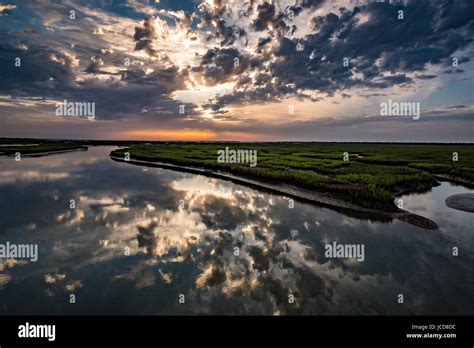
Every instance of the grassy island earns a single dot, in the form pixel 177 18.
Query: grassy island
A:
pixel 41 148
pixel 367 174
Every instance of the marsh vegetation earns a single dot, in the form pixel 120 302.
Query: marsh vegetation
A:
pixel 370 175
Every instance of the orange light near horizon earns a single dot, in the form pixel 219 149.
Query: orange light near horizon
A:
pixel 168 134
pixel 241 136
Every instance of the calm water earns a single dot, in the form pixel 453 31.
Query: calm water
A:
pixel 181 230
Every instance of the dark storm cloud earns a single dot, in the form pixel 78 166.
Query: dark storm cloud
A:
pixel 228 33
pixel 50 74
pixel 397 79
pixel 221 65
pixel 76 65
pixel 402 45
pixel 266 13
pixel 263 41
pixel 382 48
pixel 145 35
pixel 36 67
pixel 269 18
pixel 426 77
pixel 311 3
pixel 452 14
pixel 212 18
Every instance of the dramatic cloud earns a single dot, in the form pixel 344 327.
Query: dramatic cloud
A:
pixel 193 65
pixel 372 45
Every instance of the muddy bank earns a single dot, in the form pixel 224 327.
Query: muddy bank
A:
pixel 462 201
pixel 320 198
pixel 454 180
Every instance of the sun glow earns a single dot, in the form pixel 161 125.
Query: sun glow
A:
pixel 169 134
pixel 199 93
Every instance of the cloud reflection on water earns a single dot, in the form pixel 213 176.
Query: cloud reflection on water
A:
pixel 130 248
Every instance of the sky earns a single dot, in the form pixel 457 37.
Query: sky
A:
pixel 245 70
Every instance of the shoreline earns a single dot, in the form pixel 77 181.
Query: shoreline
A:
pixel 43 153
pixel 323 199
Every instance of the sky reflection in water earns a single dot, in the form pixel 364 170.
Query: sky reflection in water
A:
pixel 190 250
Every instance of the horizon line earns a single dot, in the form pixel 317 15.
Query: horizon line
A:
pixel 2 139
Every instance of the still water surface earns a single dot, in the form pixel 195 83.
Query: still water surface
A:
pixel 139 237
